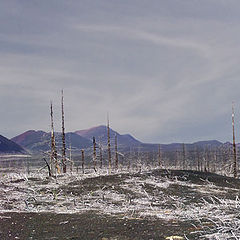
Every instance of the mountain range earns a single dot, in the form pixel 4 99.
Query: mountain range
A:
pixel 39 141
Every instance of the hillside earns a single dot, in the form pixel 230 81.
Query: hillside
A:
pixel 9 147
pixel 100 133
pixel 39 141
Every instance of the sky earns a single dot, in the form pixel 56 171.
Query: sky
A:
pixel 165 70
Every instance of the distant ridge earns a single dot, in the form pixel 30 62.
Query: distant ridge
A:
pixel 9 147
pixel 179 146
pixel 39 141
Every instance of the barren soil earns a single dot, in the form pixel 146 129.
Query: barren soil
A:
pixel 153 204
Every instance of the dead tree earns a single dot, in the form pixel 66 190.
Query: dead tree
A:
pixel 63 140
pixel 100 155
pixel 83 161
pixel 159 156
pixel 198 159
pixel 109 146
pixel 215 155
pixel 129 159
pixel 205 160
pixel 139 160
pixel 183 156
pixel 234 146
pixel 28 168
pixel 116 152
pixel 53 158
pixel 49 168
pixel 207 157
pixel 52 141
pixel 177 163
pixel 94 155
pixel 70 155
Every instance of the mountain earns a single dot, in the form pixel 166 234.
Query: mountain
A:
pixel 201 145
pixel 205 144
pixel 100 133
pixel 9 147
pixel 33 141
pixel 126 141
pixel 39 141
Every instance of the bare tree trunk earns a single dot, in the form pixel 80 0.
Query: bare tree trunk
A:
pixel 202 163
pixel 52 142
pixel 159 156
pixel 28 168
pixel 53 160
pixel 70 155
pixel 207 159
pixel 198 160
pixel 49 168
pixel 116 152
pixel 215 161
pixel 63 140
pixel 101 155
pixel 109 147
pixel 183 156
pixel 177 164
pixel 83 163
pixel 94 155
pixel 129 159
pixel 234 146
pixel 139 160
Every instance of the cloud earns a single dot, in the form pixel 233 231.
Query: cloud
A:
pixel 165 70
pixel 199 48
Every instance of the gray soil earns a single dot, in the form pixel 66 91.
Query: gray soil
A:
pixel 97 225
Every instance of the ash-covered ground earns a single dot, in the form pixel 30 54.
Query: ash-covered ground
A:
pixel 152 204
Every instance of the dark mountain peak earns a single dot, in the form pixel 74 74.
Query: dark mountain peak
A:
pixel 97 131
pixel 8 146
pixel 100 133
pixel 27 137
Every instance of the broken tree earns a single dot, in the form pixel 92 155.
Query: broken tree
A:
pixel 63 140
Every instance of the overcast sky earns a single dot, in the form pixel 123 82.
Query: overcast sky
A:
pixel 165 70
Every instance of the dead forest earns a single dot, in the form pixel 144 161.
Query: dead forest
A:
pixel 107 192
pixel 214 159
